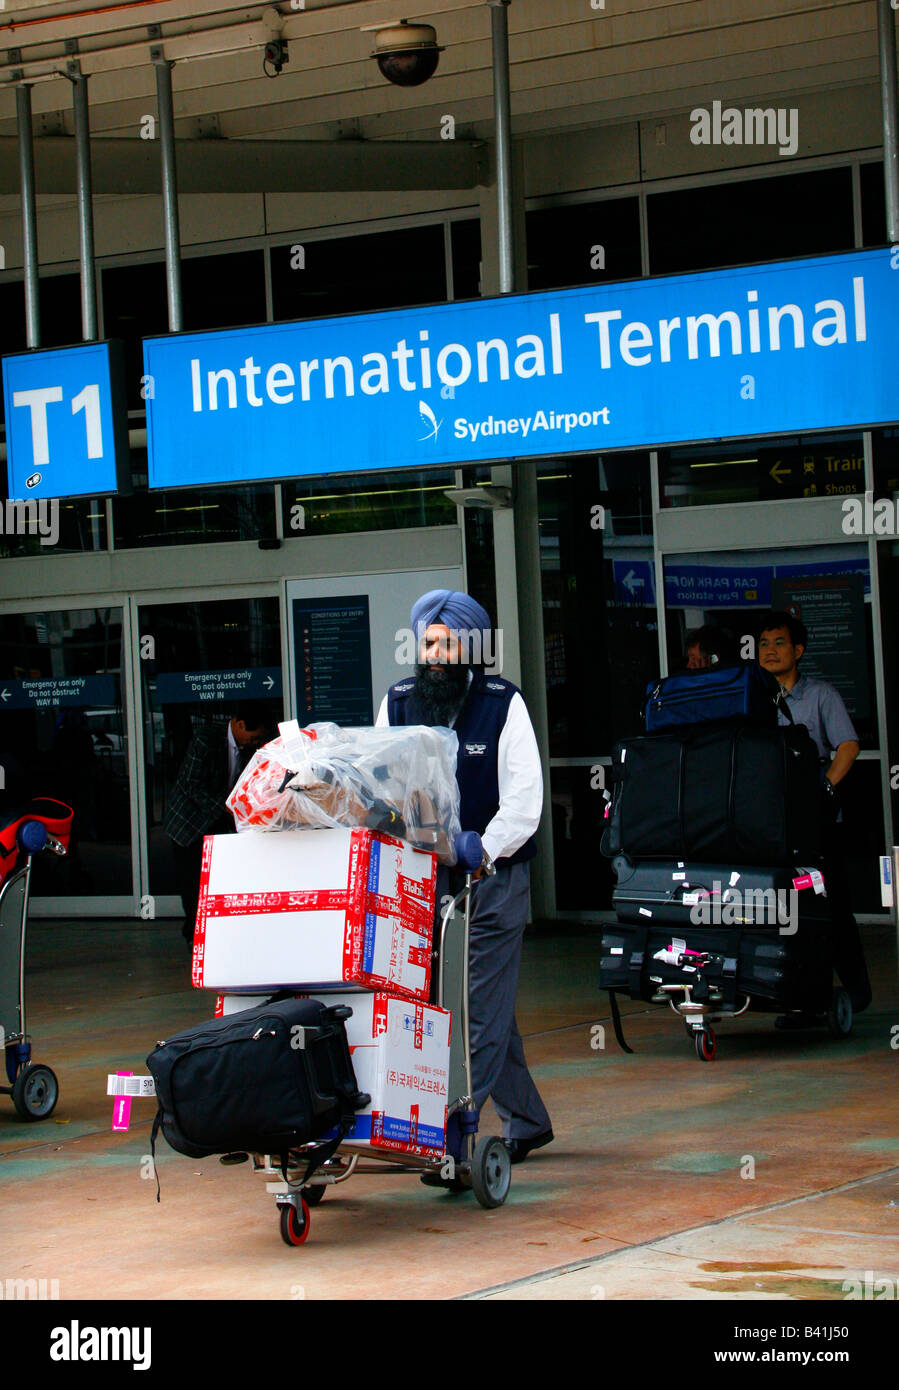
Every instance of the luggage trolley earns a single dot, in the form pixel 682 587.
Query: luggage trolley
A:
pixel 34 1088
pixel 485 1166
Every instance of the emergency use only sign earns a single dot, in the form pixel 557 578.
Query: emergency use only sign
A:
pixel 794 346
pixel 66 422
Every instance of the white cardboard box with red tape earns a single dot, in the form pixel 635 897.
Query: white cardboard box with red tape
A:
pixel 319 909
pixel 401 1055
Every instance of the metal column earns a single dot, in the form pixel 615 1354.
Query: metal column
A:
pixel 85 203
pixel 165 108
pixel 29 216
pixel 886 36
pixel 502 120
pixel 526 521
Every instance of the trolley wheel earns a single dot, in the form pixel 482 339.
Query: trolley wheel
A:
pixel 35 1092
pixel 839 1015
pixel 295 1222
pixel 706 1045
pixel 312 1195
pixel 491 1172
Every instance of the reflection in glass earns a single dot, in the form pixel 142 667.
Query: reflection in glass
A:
pixel 63 735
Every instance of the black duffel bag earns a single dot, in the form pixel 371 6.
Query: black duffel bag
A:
pixel 265 1080
pixel 728 793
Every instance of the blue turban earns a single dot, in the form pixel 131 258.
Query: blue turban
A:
pixel 458 612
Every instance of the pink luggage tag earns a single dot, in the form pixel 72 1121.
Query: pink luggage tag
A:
pixel 809 878
pixel 121 1110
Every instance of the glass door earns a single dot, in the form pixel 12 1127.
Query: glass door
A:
pixel 64 735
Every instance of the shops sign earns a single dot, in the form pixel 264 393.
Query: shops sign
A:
pixel 791 347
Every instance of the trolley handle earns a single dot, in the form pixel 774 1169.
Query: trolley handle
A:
pixel 33 837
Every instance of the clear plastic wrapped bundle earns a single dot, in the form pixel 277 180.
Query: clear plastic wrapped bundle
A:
pixel 400 780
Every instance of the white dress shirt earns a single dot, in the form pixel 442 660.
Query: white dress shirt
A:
pixel 520 778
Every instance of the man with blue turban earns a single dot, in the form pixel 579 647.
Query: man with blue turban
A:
pixel 501 797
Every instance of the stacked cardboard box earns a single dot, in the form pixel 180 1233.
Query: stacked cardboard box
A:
pixel 346 915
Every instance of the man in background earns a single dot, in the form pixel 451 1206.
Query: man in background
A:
pixel 707 647
pixel 215 758
pixel 783 639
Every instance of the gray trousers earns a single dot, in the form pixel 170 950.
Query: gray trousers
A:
pixel 498 1069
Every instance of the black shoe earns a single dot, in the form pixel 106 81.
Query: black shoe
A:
pixel 520 1148
pixel 789 1023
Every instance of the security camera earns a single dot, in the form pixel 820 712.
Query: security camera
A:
pixel 274 56
pixel 407 54
pixel 493 497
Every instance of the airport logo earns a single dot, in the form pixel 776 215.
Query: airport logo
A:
pixel 429 418
pixel 77 1343
pixel 752 126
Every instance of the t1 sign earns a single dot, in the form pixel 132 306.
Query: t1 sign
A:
pixel 66 422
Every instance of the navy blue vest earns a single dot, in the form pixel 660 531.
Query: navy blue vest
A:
pixel 478 726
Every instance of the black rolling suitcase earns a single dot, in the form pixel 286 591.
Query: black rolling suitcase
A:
pixel 265 1080
pixel 686 894
pixel 730 793
pixel 731 933
pixel 723 966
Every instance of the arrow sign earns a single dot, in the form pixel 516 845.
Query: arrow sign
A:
pixel 778 472
pixel 632 581
pixel 4 695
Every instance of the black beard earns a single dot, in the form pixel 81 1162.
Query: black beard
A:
pixel 438 699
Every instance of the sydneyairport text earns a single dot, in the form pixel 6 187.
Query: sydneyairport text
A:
pixel 555 420
pixel 753 328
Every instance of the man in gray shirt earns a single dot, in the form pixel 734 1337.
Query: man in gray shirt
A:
pixel 783 639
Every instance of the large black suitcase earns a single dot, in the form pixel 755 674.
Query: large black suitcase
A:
pixel 723 965
pixel 265 1080
pixel 726 793
pixel 686 894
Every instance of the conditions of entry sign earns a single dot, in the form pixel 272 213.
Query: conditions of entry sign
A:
pixel 794 346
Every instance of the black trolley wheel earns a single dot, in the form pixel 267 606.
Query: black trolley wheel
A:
pixel 706 1045
pixel 839 1015
pixel 491 1172
pixel 35 1092
pixel 313 1194
pixel 295 1222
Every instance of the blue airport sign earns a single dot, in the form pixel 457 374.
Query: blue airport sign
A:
pixel 52 692
pixel 634 582
pixel 717 586
pixel 768 349
pixel 66 422
pixel 248 683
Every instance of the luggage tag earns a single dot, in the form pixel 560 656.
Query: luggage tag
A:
pixel 809 878
pixel 124 1085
